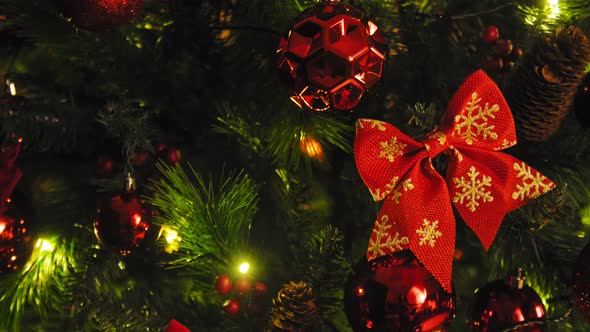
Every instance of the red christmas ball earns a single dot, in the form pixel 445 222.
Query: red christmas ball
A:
pixel 491 34
pixel 331 56
pixel 397 293
pixel 499 305
pixel 232 307
pixel 503 47
pixel 581 283
pixel 122 222
pixel 223 284
pixel 243 285
pixel 260 288
pixel 14 237
pixel 100 14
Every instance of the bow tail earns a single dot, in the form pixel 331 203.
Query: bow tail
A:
pixel 417 216
pixel 486 185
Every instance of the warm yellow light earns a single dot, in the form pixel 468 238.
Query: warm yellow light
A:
pixel 44 245
pixel 12 88
pixel 171 236
pixel 311 147
pixel 244 267
pixel 553 8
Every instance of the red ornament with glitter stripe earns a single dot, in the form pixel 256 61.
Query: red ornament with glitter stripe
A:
pixel 332 55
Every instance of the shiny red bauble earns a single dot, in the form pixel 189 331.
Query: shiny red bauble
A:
pixel 332 55
pixel 232 307
pixel 122 222
pixel 498 306
pixel 14 238
pixel 100 14
pixel 223 284
pixel 581 283
pixel 397 293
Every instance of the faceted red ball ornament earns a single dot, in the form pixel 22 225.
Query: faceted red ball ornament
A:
pixel 122 223
pixel 100 14
pixel 498 306
pixel 332 55
pixel 581 283
pixel 396 293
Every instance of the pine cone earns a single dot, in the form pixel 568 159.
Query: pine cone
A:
pixel 545 83
pixel 294 309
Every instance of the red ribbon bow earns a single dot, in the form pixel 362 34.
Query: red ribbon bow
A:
pixel 9 174
pixel 483 184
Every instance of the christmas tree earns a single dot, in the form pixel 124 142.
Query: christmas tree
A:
pixel 294 165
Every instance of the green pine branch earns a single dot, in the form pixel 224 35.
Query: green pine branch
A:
pixel 41 285
pixel 212 221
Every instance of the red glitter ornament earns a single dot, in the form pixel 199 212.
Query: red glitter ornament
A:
pixel 13 237
pixel 504 304
pixel 100 14
pixel 332 55
pixel 223 284
pixel 122 222
pixel 396 293
pixel 581 283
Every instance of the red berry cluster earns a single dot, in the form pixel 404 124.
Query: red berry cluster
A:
pixel 504 54
pixel 244 288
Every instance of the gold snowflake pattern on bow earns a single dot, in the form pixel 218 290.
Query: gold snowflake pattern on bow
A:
pixel 475 123
pixel 391 149
pixel 383 243
pixel 533 184
pixel 428 233
pixel 472 190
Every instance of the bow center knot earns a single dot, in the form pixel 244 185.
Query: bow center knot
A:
pixel 435 143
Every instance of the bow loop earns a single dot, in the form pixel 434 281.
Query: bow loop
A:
pixel 478 115
pixel 481 182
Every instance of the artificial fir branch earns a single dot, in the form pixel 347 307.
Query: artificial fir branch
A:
pixel 42 285
pixel 130 125
pixel 325 268
pixel 213 221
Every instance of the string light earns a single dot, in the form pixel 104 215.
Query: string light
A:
pixel 244 267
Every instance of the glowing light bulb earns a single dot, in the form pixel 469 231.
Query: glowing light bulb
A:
pixel 44 245
pixel 244 267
